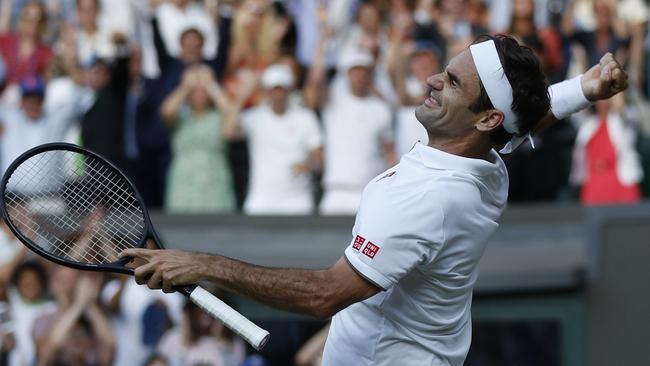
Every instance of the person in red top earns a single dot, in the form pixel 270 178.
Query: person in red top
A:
pixel 604 183
pixel 23 52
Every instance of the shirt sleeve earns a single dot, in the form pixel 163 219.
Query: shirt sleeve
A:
pixel 391 239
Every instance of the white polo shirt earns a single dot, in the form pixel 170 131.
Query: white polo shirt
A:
pixel 276 144
pixel 419 234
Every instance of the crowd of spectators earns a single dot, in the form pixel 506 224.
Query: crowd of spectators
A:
pixel 291 107
pixel 271 107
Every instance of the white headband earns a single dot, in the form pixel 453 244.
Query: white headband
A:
pixel 498 88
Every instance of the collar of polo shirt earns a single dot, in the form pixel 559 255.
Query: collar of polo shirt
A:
pixel 438 159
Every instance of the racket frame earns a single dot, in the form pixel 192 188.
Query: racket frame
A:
pixel 115 267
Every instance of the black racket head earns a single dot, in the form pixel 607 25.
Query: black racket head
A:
pixel 74 207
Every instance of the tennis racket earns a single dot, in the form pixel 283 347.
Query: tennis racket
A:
pixel 75 208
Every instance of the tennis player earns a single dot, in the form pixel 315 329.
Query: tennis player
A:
pixel 403 289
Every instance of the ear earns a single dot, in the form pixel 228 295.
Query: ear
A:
pixel 491 120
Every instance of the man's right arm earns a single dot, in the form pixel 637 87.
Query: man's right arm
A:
pixel 320 293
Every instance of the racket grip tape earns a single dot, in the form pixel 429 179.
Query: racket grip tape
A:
pixel 249 331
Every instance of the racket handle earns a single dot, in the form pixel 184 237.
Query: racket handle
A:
pixel 251 333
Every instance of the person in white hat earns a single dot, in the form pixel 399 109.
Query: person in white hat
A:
pixel 285 145
pixel 402 292
pixel 358 135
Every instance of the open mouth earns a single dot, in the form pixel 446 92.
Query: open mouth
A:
pixel 433 100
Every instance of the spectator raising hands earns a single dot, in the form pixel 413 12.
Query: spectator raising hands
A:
pixel 81 335
pixel 199 178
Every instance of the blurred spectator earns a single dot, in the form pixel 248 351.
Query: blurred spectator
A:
pixel 102 125
pixel 605 162
pixel 191 42
pixel 25 55
pixel 311 353
pixel 357 124
pixel 79 333
pixel 199 178
pixel 197 340
pixel 153 142
pixel 366 33
pixel 177 16
pixel 607 36
pixel 92 40
pixel 409 80
pixel 285 146
pixel 145 138
pixel 546 41
pixel 27 299
pixel 29 125
pixel 7 339
pixel 257 39
pixel 257 34
pixel 126 304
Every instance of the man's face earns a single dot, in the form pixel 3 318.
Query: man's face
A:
pixel 279 98
pixel 191 46
pixel 360 80
pixel 424 64
pixel 446 112
pixel 87 13
pixel 31 20
pixel 32 106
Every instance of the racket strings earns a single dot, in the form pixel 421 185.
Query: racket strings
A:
pixel 74 206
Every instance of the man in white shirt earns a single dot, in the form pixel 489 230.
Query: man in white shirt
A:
pixel 177 16
pixel 402 292
pixel 285 145
pixel 356 147
pixel 29 125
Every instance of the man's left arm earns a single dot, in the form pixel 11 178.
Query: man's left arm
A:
pixel 602 81
pixel 320 293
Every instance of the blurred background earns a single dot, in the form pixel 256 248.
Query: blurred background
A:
pixel 251 127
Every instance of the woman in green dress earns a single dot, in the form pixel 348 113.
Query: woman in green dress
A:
pixel 199 178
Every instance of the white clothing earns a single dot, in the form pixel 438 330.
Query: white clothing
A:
pixel 408 131
pixel 628 162
pixel 305 15
pixel 174 21
pixel 355 130
pixel 421 229
pixel 276 144
pixel 91 46
pixel 9 247
pixel 205 351
pixel 24 314
pixel 128 324
pixel 21 134
pixel 117 16
pixel 340 201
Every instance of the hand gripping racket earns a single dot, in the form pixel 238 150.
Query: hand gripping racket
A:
pixel 77 209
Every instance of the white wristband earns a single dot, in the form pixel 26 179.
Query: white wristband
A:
pixel 567 97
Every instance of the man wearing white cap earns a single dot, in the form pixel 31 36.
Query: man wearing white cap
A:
pixel 358 135
pixel 284 141
pixel 402 292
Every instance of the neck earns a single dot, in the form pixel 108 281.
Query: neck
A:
pixel 200 111
pixel 473 146
pixel 90 29
pixel 278 109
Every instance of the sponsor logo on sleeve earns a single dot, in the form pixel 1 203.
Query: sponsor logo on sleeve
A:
pixel 358 242
pixel 371 250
